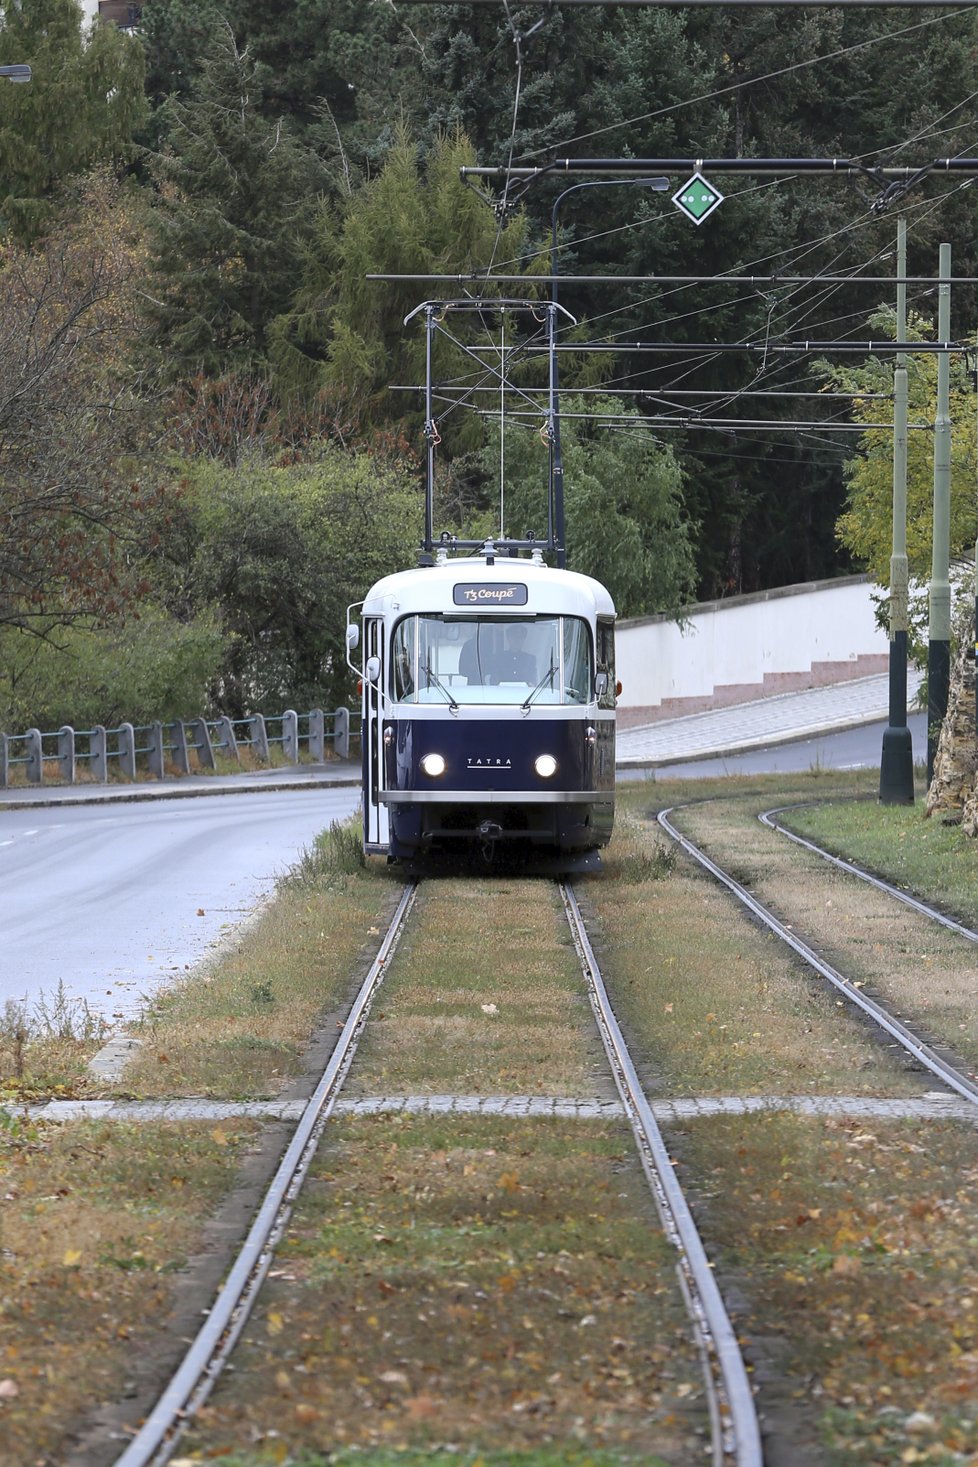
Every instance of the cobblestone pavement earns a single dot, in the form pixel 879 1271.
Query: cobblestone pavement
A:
pixel 934 1105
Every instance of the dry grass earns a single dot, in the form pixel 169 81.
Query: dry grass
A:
pixel 484 997
pixel 95 1221
pixel 852 1244
pixel 471 1282
pixel 716 1005
pixel 239 1029
pixel 926 972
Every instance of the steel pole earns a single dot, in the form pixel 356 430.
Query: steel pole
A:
pixel 896 762
pixel 939 643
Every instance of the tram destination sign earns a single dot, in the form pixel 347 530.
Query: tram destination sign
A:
pixel 697 198
pixel 486 593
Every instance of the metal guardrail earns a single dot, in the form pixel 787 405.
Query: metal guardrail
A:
pixel 185 745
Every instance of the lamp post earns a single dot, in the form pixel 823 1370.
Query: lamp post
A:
pixel 658 185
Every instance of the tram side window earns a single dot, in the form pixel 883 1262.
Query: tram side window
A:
pixel 577 660
pixel 606 661
pixel 404 659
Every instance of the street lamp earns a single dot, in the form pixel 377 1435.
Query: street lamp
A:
pixel 19 72
pixel 657 185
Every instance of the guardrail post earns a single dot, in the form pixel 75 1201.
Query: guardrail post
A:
pixel 181 754
pixel 4 762
pixel 290 735
pixel 35 755
pixel 154 749
pixel 317 735
pixel 127 750
pixel 259 736
pixel 98 748
pixel 341 733
pixel 66 753
pixel 202 737
pixel 226 741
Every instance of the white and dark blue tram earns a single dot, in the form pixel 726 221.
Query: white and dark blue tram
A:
pixel 488 710
pixel 488 675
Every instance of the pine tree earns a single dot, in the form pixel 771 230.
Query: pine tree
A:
pixel 81 107
pixel 238 197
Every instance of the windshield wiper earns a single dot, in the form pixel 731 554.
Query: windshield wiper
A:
pixel 548 677
pixel 433 677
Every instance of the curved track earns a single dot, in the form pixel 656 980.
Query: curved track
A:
pixel 735 1432
pixel 767 817
pixel 948 1074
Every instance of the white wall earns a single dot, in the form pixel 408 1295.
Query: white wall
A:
pixel 745 639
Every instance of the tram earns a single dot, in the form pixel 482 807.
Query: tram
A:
pixel 487 674
pixel 488 710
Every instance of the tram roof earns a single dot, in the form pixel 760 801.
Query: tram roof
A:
pixel 503 587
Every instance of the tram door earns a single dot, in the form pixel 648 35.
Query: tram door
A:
pixel 376 824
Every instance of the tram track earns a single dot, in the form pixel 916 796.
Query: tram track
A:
pixel 950 1073
pixel 733 1424
pixel 191 1384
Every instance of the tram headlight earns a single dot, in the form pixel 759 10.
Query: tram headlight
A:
pixel 545 765
pixel 433 765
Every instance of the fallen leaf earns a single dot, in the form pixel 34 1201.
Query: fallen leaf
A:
pixel 201 912
pixel 275 1323
pixel 8 1390
pixel 72 1257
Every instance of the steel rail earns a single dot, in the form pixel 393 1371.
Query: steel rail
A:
pixel 197 1373
pixel 928 1057
pixel 767 818
pixel 736 1433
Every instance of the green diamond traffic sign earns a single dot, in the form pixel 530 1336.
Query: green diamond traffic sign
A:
pixel 697 198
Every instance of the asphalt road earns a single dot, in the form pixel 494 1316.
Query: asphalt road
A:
pixel 113 901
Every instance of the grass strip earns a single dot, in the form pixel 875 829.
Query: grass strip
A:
pixel 712 1003
pixel 919 969
pixel 96 1220
pixel 472 1284
pixel 484 997
pixel 853 1247
pixel 937 862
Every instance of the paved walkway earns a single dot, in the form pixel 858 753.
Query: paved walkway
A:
pixel 743 726
pixel 717 731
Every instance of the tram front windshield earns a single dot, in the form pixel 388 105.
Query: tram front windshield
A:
pixel 445 659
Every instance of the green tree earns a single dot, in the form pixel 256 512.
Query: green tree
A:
pixel 346 334
pixel 149 666
pixel 237 198
pixel 866 525
pixel 626 523
pixel 279 553
pixel 81 107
